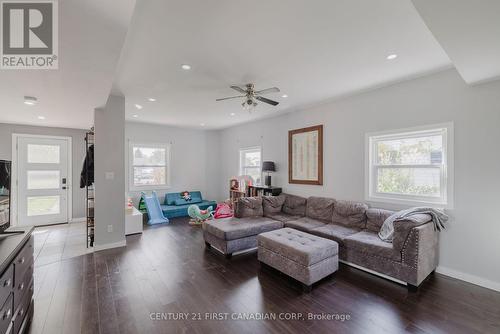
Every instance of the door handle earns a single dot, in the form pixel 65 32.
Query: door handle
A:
pixel 64 188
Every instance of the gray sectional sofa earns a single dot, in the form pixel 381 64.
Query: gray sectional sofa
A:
pixel 410 258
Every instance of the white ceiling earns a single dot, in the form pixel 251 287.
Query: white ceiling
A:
pixel 313 51
pixel 469 31
pixel 91 36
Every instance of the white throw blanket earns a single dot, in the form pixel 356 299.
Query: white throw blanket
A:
pixel 387 230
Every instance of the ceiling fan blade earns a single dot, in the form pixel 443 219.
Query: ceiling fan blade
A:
pixel 268 90
pixel 263 99
pixel 228 98
pixel 239 89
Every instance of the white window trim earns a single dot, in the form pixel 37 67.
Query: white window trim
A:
pixel 252 148
pixel 168 155
pixel 447 180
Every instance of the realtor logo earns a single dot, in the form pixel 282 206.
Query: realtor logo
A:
pixel 29 34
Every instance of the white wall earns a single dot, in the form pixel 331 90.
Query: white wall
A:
pixel 193 157
pixel 109 157
pixel 470 247
pixel 78 152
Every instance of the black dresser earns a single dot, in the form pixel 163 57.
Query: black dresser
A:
pixel 16 281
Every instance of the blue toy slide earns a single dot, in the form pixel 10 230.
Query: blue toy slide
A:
pixel 154 209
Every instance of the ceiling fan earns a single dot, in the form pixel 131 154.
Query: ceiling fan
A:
pixel 252 96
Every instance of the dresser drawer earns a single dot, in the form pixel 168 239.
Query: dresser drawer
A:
pixel 22 286
pixel 6 282
pixel 23 309
pixel 23 260
pixel 6 314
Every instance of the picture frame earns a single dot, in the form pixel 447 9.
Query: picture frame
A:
pixel 305 155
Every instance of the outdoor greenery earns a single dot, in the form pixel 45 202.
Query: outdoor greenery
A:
pixel 407 180
pixel 402 181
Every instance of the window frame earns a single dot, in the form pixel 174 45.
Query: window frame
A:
pixel 167 166
pixel 244 150
pixel 445 200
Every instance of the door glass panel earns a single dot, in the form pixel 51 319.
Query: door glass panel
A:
pixel 43 154
pixel 43 179
pixel 43 205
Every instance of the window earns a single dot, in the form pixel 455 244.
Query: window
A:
pixel 411 167
pixel 149 166
pixel 251 164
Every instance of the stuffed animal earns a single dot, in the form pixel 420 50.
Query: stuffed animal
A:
pixel 199 216
pixel 223 210
pixel 186 196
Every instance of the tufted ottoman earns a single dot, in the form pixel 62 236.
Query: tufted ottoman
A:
pixel 303 256
pixel 231 235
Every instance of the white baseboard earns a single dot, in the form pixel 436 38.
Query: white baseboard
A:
pixel 78 220
pixel 485 283
pixel 122 243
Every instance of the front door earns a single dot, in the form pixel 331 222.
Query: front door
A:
pixel 43 185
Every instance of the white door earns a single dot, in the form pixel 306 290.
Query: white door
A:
pixel 42 178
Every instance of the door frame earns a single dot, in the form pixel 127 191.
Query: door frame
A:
pixel 14 180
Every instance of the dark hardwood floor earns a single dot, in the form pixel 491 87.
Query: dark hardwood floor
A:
pixel 167 270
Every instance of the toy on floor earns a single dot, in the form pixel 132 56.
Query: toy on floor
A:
pixel 130 205
pixel 199 216
pixel 153 209
pixel 223 210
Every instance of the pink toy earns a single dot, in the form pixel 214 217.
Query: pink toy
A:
pixel 223 211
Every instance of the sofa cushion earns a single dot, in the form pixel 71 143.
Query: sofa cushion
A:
pixel 298 246
pixel 282 217
pixel 237 228
pixel 171 197
pixel 334 232
pixel 348 213
pixel 376 218
pixel 304 224
pixel 249 207
pixel 273 204
pixel 320 208
pixel 182 201
pixel 294 205
pixel 368 242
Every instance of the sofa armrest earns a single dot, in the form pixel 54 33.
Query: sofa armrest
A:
pixel 420 251
pixel 402 228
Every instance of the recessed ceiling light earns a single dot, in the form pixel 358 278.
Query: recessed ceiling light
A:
pixel 284 96
pixel 138 106
pixel 186 67
pixel 392 56
pixel 135 116
pixel 41 117
pixel 151 99
pixel 232 114
pixel 202 124
pixel 30 100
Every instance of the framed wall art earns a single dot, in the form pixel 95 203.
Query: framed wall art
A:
pixel 305 155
